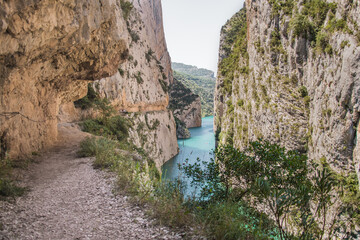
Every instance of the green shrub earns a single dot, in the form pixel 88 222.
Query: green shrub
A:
pixel 149 55
pixel 344 44
pixel 115 127
pixel 322 43
pixel 241 103
pixel 126 8
pixel 105 156
pixel 236 220
pixel 7 186
pixel 87 147
pixel 134 36
pixel 271 176
pixel 337 25
pixel 138 77
pixel 284 6
pixel 303 91
pixel 310 21
pixel 275 41
pixel 9 189
pixel 89 100
pixel 302 27
pixel 350 195
pixel 230 106
pixel 317 11
pixel 121 71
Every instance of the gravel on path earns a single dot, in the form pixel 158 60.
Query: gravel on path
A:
pixel 69 199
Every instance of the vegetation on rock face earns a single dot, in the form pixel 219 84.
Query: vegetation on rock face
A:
pixel 199 81
pixel 192 70
pixel 90 100
pixel 182 132
pixel 309 23
pixel 234 47
pixel 180 96
pixel 114 127
pixel 126 8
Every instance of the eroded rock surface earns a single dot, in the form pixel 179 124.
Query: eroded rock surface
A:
pixel 47 50
pixel 288 87
pixel 185 104
pixel 141 83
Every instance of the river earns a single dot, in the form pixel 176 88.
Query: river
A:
pixel 200 145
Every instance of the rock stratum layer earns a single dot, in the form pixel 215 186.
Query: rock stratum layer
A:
pixel 289 72
pixel 50 51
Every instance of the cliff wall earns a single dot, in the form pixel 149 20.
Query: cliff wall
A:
pixel 47 50
pixel 140 84
pixel 50 51
pixel 289 72
pixel 185 104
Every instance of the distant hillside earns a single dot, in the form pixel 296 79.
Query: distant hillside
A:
pixel 192 70
pixel 200 81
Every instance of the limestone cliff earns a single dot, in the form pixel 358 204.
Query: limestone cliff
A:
pixel 185 104
pixel 289 72
pixel 200 81
pixel 47 50
pixel 141 82
pixel 50 51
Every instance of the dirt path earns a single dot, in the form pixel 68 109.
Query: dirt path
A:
pixel 71 200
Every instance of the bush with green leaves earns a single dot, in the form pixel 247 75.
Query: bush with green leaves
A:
pixel 280 181
pixel 139 179
pixel 116 127
pixel 7 186
pixel 126 8
pixel 310 21
pixel 90 100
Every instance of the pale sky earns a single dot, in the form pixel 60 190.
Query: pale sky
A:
pixel 192 29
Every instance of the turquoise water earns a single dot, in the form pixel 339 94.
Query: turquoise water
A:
pixel 200 145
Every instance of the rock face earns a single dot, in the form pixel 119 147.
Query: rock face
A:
pixel 47 50
pixel 155 132
pixel 140 84
pixel 185 105
pixel 292 76
pixel 200 81
pixel 182 132
pixel 151 14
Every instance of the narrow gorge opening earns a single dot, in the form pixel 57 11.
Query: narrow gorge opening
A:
pixel 147 90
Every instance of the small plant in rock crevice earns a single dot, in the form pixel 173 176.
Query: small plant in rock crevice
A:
pixel 126 8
